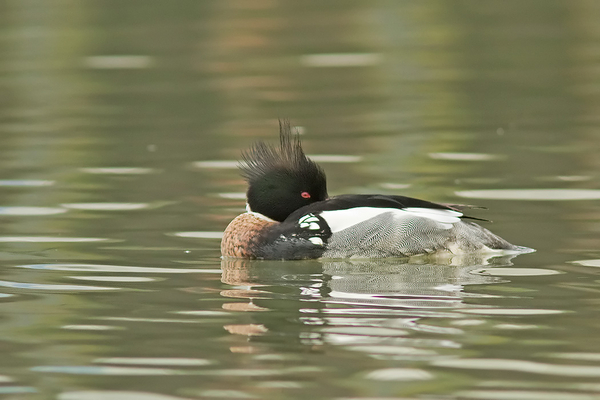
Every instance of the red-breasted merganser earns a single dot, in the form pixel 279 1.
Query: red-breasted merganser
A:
pixel 290 216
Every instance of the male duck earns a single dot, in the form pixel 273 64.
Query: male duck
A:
pixel 290 216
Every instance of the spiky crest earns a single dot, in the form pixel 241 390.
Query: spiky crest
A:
pixel 281 179
pixel 263 158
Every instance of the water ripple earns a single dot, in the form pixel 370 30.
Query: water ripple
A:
pixel 466 156
pixel 234 164
pixel 48 239
pixel 587 263
pixel 370 331
pixel 114 395
pixel 390 311
pixel 91 327
pixel 578 356
pixel 17 389
pixel 336 60
pixel 217 164
pixel 334 158
pixel 118 171
pixel 26 182
pixel 531 194
pixel 32 210
pixel 511 311
pixel 410 352
pixel 523 395
pixel 521 366
pixel 171 362
pixel 516 271
pixel 119 61
pixel 204 313
pixel 226 394
pixel 233 195
pixel 157 320
pixel 200 235
pixel 394 186
pixel 399 374
pixel 114 268
pixel 41 286
pixel 107 206
pixel 113 278
pixel 96 370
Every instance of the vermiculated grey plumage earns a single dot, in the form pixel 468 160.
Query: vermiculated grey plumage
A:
pixel 386 235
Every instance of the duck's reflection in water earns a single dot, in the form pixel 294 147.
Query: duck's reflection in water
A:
pixel 368 298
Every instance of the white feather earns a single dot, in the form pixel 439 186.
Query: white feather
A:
pixel 316 240
pixel 339 220
pixel 258 215
pixel 436 214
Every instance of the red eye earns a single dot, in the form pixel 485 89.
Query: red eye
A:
pixel 305 195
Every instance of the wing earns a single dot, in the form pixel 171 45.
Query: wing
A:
pixel 388 232
pixel 295 240
pixel 382 226
pixel 378 201
pixel 338 220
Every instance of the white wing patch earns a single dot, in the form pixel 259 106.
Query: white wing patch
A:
pixel 338 220
pixel 309 221
pixel 316 241
pixel 436 214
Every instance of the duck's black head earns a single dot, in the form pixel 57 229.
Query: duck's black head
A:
pixel 281 180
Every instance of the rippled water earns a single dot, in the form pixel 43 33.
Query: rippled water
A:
pixel 120 127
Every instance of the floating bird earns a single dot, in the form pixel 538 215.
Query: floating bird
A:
pixel 290 216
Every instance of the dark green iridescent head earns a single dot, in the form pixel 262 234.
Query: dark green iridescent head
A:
pixel 283 179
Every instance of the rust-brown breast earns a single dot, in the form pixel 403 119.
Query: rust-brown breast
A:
pixel 243 235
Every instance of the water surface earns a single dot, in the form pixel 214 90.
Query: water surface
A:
pixel 120 127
